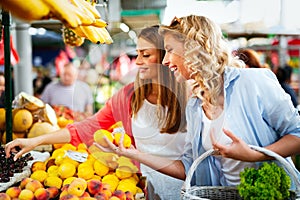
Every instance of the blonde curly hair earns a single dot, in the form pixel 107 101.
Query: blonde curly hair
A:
pixel 206 53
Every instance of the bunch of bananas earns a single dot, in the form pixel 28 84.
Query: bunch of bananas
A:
pixel 77 16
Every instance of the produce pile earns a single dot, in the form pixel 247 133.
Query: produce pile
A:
pixel 73 173
pixel 9 167
pixel 267 182
pixel 31 117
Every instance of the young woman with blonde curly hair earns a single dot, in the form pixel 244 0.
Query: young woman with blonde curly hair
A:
pixel 228 98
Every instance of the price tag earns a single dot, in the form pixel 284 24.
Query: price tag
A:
pixel 77 156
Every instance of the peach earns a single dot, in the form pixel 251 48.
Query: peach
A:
pixel 41 194
pixel 33 185
pixel 53 192
pixel 4 196
pixel 87 198
pixel 85 195
pixel 63 193
pixel 101 196
pixel 115 198
pixel 120 194
pixel 77 187
pixel 94 186
pixel 129 195
pixel 69 197
pixel 26 194
pixel 24 181
pixel 13 192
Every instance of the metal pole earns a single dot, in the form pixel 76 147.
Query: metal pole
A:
pixel 7 73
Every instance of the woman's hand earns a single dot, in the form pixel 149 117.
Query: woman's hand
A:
pixel 120 149
pixel 237 150
pixel 20 146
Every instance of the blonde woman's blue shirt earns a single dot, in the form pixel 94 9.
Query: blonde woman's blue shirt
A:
pixel 257 110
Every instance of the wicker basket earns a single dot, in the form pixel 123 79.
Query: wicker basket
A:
pixel 229 193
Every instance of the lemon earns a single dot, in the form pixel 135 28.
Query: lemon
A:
pixel 68 180
pixel 81 146
pixel 53 181
pixel 68 146
pixel 85 171
pixel 59 159
pixel 52 170
pixel 100 168
pixel 123 172
pixel 126 139
pixel 112 180
pixel 39 175
pixel 70 160
pixel 57 152
pixel 127 185
pixel 66 170
pixel 99 137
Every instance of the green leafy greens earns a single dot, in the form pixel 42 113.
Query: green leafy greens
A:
pixel 267 182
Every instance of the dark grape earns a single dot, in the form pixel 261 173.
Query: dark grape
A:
pixel 8 166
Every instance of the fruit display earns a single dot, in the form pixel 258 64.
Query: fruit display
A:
pixel 8 167
pixel 80 18
pixel 31 117
pixel 75 173
pixel 12 172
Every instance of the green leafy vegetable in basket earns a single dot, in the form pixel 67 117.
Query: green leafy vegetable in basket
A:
pixel 267 182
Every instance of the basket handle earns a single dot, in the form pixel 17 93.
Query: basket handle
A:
pixel 288 167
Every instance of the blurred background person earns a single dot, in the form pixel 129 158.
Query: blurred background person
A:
pixel 250 58
pixel 284 75
pixel 40 81
pixel 70 92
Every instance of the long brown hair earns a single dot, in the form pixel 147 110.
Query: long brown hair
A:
pixel 171 95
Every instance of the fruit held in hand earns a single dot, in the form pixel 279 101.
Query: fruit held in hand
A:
pixel 126 139
pixel 99 137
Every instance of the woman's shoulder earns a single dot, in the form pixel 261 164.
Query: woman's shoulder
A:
pixel 251 74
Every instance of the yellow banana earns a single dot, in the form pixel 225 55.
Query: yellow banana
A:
pixel 90 8
pixel 82 8
pixel 99 23
pixel 92 34
pixel 29 11
pixel 106 35
pixel 78 31
pixel 67 13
